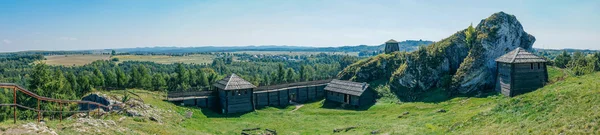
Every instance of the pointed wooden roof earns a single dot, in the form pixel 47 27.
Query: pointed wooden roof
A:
pixel 347 87
pixel 233 82
pixel 391 41
pixel 520 55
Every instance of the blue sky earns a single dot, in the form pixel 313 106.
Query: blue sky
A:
pixel 91 24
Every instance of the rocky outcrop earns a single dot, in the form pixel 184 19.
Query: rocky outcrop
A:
pixel 449 63
pixel 99 98
pixel 496 36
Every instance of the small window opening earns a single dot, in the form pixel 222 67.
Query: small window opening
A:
pixel 531 65
pixel 539 66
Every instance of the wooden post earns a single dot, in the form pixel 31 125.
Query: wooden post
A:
pixel 15 105
pixel 38 109
pixel 61 111
pixel 88 109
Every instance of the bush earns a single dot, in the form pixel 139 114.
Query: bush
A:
pixel 115 59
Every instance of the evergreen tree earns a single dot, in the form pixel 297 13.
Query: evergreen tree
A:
pixel 290 75
pixel 280 73
pixel 202 80
pixel 39 77
pixel 302 73
pixel 121 78
pixel 72 79
pixel 98 79
pixel 111 78
pixel 145 81
pixel 159 83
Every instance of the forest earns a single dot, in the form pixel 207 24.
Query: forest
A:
pixel 74 82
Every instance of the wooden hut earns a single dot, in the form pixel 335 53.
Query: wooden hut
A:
pixel 235 94
pixel 391 46
pixel 520 71
pixel 348 92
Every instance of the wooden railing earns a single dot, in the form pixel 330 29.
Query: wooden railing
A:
pixel 16 88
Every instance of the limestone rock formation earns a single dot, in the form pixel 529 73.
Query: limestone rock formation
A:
pixel 451 63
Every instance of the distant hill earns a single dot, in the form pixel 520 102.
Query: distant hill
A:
pixel 408 45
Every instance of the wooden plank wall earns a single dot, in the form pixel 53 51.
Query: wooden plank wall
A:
pixel 527 79
pixel 237 101
pixel 503 78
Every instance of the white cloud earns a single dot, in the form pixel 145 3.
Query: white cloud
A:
pixel 67 38
pixel 6 41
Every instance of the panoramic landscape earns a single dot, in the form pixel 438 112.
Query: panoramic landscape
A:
pixel 299 67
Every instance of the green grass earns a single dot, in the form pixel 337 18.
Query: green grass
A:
pixel 73 60
pixel 164 59
pixel 569 106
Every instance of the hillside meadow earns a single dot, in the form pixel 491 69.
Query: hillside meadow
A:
pixel 566 106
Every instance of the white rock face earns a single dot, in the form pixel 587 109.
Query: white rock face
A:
pixel 505 34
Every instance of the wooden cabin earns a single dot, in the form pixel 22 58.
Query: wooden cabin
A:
pixel 235 94
pixel 391 46
pixel 348 92
pixel 520 71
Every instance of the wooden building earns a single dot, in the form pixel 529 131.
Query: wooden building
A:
pixel 520 71
pixel 235 94
pixel 348 92
pixel 282 94
pixel 205 98
pixel 392 46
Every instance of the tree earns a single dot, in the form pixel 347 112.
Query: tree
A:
pixel 111 78
pixel 121 78
pixel 145 78
pixel 72 79
pixel 182 74
pixel 562 60
pixel 113 53
pixel 290 75
pixel 280 73
pixel 302 73
pixel 202 79
pixel 470 36
pixel 159 83
pixel 39 77
pixel 98 79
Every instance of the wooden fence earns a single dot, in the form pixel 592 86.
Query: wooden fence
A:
pixel 16 88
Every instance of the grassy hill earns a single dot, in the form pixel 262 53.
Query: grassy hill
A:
pixel 569 105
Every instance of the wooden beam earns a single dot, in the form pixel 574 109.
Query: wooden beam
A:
pixel 15 104
pixel 38 109
pixel 61 111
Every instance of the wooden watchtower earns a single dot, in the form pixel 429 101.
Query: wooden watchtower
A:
pixel 520 71
pixel 235 94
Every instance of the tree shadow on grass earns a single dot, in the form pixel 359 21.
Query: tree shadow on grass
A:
pixel 326 104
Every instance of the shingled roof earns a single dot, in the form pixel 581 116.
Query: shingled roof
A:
pixel 233 82
pixel 520 55
pixel 391 41
pixel 347 87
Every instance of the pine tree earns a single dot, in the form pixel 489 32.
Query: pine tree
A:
pixel 203 80
pixel 302 73
pixel 159 82
pixel 290 75
pixel 39 77
pixel 111 78
pixel 280 73
pixel 98 79
pixel 121 78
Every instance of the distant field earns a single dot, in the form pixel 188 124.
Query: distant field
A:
pixel 164 59
pixel 73 60
pixel 294 53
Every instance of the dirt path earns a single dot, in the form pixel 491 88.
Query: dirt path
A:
pixel 298 106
